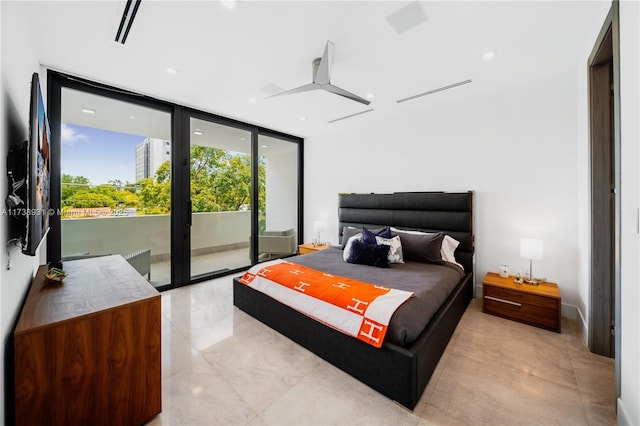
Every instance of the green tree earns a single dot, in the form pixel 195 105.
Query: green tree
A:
pixel 220 181
pixel 72 184
pixel 155 193
pixel 88 199
pixel 77 192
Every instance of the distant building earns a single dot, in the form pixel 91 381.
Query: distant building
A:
pixel 150 154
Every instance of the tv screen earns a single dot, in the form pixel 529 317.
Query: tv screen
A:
pixel 38 172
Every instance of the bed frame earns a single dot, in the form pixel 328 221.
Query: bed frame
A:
pixel 397 372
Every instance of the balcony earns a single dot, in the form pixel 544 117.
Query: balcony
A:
pixel 219 240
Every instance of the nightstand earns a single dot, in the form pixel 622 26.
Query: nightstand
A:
pixel 537 305
pixel 310 248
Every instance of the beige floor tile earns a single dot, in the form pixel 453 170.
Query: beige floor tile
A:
pixel 331 396
pixel 473 392
pixel 199 398
pixel 221 366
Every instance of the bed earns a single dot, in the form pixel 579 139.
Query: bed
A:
pixel 398 370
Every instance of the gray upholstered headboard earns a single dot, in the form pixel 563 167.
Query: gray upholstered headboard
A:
pixel 449 212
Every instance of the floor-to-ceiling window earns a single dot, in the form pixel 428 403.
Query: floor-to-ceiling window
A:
pixel 115 163
pixel 220 193
pixel 187 191
pixel 279 193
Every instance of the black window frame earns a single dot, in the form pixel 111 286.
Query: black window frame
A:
pixel 180 218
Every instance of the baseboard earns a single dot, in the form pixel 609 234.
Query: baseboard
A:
pixel 584 327
pixel 570 311
pixel 573 312
pixel 623 419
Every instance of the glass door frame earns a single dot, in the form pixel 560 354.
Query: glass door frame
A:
pixel 180 171
pixel 182 221
pixel 56 82
pixel 183 178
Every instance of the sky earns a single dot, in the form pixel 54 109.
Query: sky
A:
pixel 99 155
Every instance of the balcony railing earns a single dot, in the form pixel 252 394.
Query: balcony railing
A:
pixel 213 232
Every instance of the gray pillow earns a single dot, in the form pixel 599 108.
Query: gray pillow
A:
pixel 422 247
pixel 348 232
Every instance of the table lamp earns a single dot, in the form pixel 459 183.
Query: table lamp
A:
pixel 531 249
pixel 318 225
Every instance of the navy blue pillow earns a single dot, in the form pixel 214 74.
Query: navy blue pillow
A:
pixel 369 237
pixel 369 254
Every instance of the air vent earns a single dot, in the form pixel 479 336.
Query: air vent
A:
pixel 130 10
pixel 440 89
pixel 352 115
pixel 409 16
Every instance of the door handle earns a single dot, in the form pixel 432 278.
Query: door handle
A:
pixel 189 211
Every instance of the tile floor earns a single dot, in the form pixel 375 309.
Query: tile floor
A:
pixel 221 366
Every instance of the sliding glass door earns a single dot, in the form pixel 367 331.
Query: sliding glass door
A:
pixel 116 182
pixel 221 202
pixel 278 182
pixel 183 194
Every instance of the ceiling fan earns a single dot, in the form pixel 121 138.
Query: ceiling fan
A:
pixel 322 78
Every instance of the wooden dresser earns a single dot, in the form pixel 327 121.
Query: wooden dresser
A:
pixel 87 351
pixel 538 305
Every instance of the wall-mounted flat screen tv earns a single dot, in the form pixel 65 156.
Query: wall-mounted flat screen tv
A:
pixel 38 172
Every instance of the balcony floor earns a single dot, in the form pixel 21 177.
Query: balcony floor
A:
pixel 203 264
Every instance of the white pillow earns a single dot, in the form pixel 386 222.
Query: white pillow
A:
pixel 449 246
pixel 395 248
pixel 447 249
pixel 347 247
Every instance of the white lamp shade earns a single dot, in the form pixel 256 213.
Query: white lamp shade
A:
pixel 318 225
pixel 531 248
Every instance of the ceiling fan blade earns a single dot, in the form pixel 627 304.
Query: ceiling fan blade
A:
pixel 305 88
pixel 338 91
pixel 323 73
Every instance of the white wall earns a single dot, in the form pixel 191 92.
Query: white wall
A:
pixel 515 148
pixel 629 401
pixel 19 61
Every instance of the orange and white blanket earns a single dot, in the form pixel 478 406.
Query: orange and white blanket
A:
pixel 356 308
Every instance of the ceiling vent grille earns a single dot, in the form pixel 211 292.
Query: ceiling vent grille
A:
pixel 440 89
pixel 351 115
pixel 130 10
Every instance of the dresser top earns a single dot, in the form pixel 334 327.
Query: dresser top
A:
pixel 543 289
pixel 92 285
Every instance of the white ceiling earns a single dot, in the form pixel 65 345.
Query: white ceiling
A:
pixel 225 57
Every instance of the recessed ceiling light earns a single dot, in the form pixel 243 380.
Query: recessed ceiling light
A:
pixel 370 95
pixel 264 146
pixel 88 111
pixel 198 132
pixel 243 139
pixel 171 71
pixel 489 55
pixel 253 100
pixel 132 117
pixel 303 118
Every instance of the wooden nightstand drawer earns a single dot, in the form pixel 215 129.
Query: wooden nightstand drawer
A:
pixel 520 297
pixel 534 305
